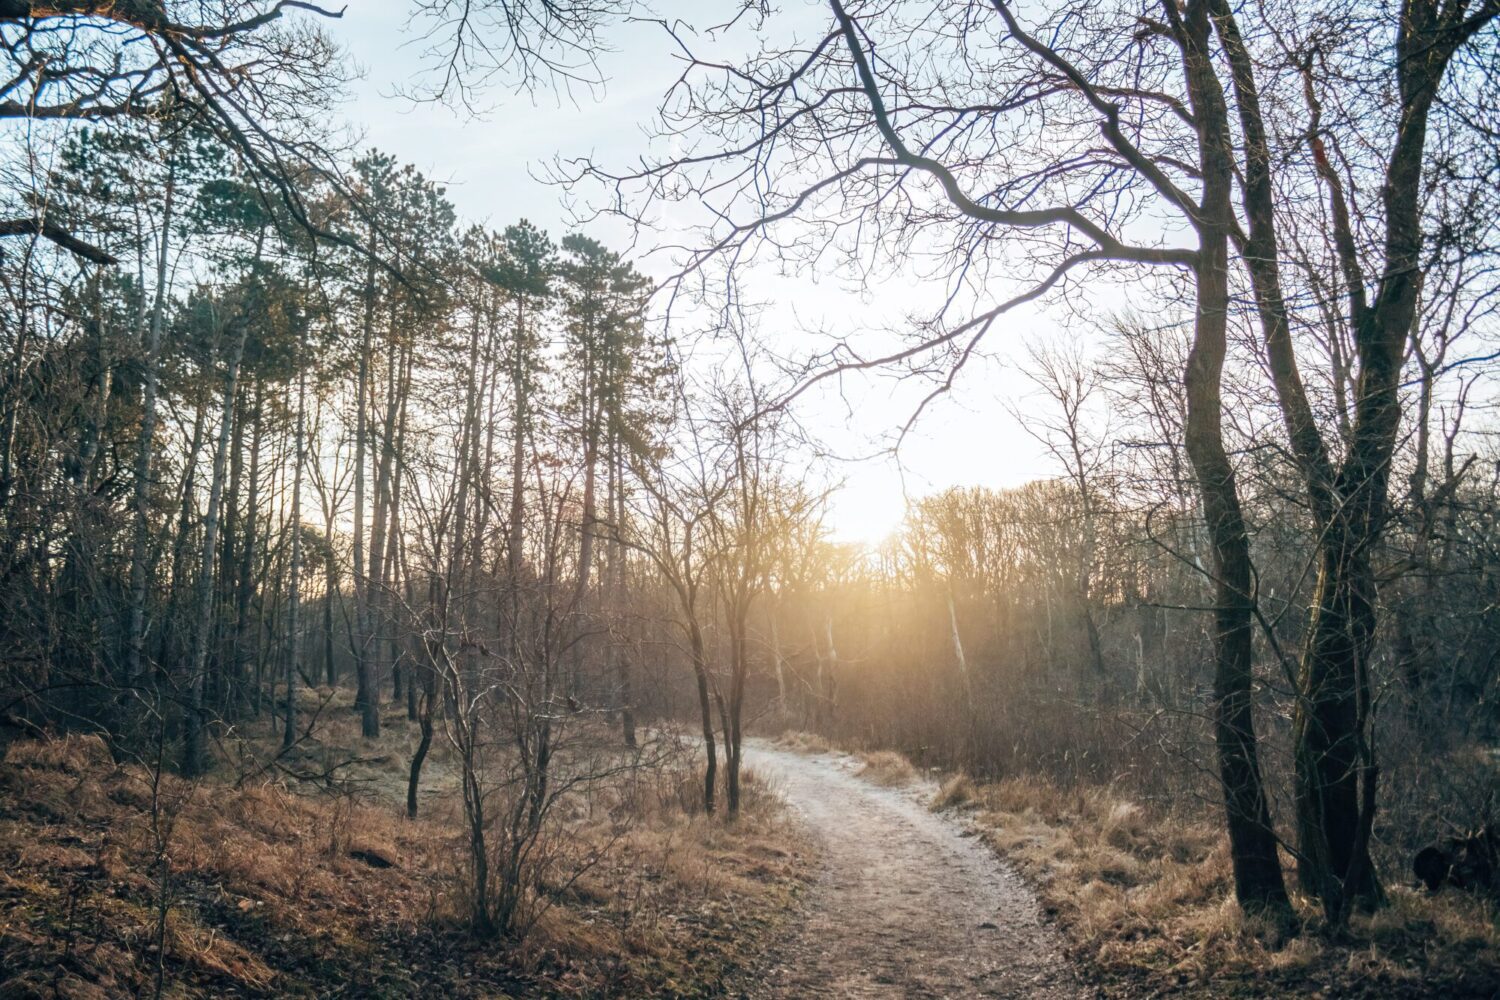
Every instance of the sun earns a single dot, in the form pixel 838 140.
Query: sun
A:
pixel 867 509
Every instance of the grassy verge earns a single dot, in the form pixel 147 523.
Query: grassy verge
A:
pixel 111 876
pixel 1144 900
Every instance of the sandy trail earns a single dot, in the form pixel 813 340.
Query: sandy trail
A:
pixel 905 904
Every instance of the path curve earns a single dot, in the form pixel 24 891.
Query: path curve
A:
pixel 906 903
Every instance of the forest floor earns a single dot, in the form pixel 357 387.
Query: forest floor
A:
pixel 297 875
pixel 905 902
pixel 262 881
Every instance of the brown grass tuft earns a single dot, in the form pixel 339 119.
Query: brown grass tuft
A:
pixel 887 767
pixel 213 953
pixel 74 753
pixel 955 793
pixel 804 742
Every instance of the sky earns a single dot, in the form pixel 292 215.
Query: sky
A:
pixel 492 158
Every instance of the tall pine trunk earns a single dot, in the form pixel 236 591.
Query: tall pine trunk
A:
pixel 366 696
pixel 194 760
pixel 145 451
pixel 242 650
pixel 294 596
pixel 617 566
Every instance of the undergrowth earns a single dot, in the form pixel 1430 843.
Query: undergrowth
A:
pixel 112 875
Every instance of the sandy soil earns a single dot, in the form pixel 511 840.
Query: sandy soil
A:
pixel 906 902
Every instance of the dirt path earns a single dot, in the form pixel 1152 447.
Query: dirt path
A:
pixel 905 904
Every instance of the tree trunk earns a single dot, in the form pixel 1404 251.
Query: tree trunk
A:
pixel 705 713
pixel 739 667
pixel 331 594
pixel 780 662
pixel 520 420
pixel 436 602
pixel 366 696
pixel 294 596
pixel 827 672
pixel 145 451
pixel 1259 886
pixel 959 659
pixel 1329 728
pixel 194 760
pixel 412 700
pixel 245 574
pixel 393 553
pixel 586 530
pixel 168 634
pixel 617 594
pixel 378 598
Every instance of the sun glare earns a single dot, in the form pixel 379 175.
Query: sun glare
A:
pixel 867 510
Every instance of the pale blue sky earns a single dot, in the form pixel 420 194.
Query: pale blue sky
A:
pixel 491 163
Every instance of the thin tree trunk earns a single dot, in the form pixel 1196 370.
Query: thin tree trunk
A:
pixel 617 568
pixel 294 597
pixel 194 758
pixel 330 594
pixel 437 610
pixel 705 713
pixel 366 696
pixel 959 659
pixel 780 663
pixel 413 640
pixel 829 677
pixel 520 419
pixel 581 608
pixel 392 569
pixel 245 578
pixel 230 697
pixel 145 450
pixel 169 632
pixel 739 668
pixel 383 460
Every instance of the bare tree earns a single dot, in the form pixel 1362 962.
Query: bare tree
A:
pixel 1029 154
pixel 1077 444
pixel 672 512
pixel 881 139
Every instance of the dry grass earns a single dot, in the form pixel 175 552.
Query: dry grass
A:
pixel 804 742
pixel 1146 897
pixel 676 896
pixel 272 893
pixel 955 793
pixel 256 879
pixel 886 767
